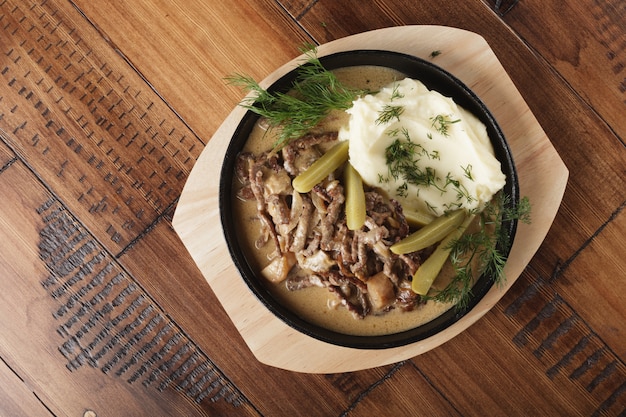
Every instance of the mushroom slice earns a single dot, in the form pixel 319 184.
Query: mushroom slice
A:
pixel 380 291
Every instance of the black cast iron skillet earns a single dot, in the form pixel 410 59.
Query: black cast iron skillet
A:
pixel 434 78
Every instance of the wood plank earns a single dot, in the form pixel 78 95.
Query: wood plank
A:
pixel 71 330
pixel 347 384
pixel 125 155
pixel 593 286
pixel 405 390
pixel 585 41
pixel 559 341
pixel 16 399
pixel 178 52
pixel 498 373
pixel 6 156
pixel 195 44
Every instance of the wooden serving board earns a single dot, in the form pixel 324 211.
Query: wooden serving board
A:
pixel 542 176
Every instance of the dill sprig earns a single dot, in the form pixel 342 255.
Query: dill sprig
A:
pixel 315 92
pixel 402 159
pixel 480 249
pixel 388 113
pixel 441 123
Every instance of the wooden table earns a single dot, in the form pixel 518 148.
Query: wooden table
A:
pixel 106 106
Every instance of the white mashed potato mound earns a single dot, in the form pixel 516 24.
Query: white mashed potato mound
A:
pixel 447 142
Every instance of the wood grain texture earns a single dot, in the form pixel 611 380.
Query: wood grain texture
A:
pixel 16 399
pixel 196 45
pixel 548 325
pixel 42 342
pixel 585 41
pixel 6 157
pixel 125 157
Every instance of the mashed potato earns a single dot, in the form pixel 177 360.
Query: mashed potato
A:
pixel 422 149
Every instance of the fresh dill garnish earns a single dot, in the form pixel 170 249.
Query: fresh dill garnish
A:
pixel 395 93
pixel 477 253
pixel 431 207
pixel 450 180
pixel 315 92
pixel 402 190
pixel 406 134
pixel 388 113
pixel 402 157
pixel 468 172
pixel 463 193
pixel 435 53
pixel 449 207
pixel 399 157
pixel 441 123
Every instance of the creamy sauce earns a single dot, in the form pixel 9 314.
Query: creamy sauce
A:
pixel 312 304
pixel 317 305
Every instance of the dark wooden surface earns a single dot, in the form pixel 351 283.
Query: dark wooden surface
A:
pixel 104 108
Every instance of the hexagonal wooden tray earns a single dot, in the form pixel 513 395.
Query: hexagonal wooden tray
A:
pixel 542 176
